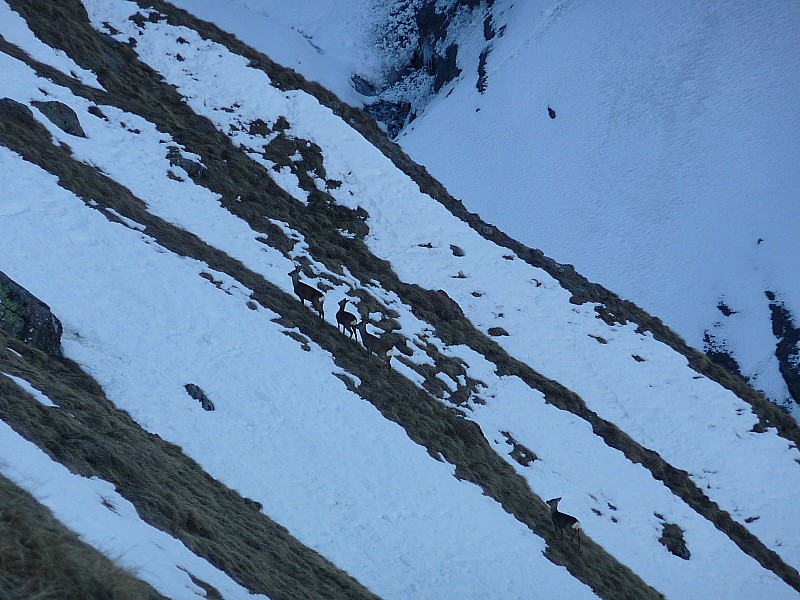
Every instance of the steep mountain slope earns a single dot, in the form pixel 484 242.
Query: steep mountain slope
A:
pixel 669 173
pixel 175 176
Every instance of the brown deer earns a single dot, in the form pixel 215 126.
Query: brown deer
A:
pixel 564 521
pixel 346 320
pixel 306 292
pixel 380 347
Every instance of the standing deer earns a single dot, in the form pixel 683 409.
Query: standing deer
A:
pixel 346 320
pixel 381 347
pixel 563 521
pixel 306 292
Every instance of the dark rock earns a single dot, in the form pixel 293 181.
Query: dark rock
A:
pixel 719 354
pixel 496 331
pixel 362 86
pixel 95 110
pixel 61 115
pixel 393 115
pixel 725 309
pixel 192 168
pixel 195 392
pixel 446 68
pixel 787 350
pixel 672 540
pixel 27 318
pixel 481 84
pixel 488 28
pixel 259 127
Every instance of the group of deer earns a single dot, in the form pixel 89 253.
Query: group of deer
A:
pixel 346 321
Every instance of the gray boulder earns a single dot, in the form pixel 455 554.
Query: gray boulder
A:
pixel 62 116
pixel 27 318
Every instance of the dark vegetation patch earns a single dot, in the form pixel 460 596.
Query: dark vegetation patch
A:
pixel 441 429
pixel 43 560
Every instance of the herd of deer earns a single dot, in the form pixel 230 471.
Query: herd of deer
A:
pixel 348 323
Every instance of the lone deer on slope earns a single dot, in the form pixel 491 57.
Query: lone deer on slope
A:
pixel 306 292
pixel 346 320
pixel 380 347
pixel 564 521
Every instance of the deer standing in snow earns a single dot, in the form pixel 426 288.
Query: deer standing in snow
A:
pixel 564 521
pixel 382 348
pixel 346 320
pixel 306 292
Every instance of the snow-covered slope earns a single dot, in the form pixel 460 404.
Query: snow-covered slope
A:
pixel 165 274
pixel 670 172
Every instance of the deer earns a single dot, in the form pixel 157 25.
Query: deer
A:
pixel 306 292
pixel 380 347
pixel 345 320
pixel 564 521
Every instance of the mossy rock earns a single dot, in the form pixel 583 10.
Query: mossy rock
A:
pixel 27 318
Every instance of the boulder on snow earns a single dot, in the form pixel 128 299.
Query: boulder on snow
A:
pixel 176 159
pixel 27 318
pixel 198 394
pixel 61 115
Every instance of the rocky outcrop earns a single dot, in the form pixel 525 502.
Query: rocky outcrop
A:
pixel 27 318
pixel 787 350
pixel 62 116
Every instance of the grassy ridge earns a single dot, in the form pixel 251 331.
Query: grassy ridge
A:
pixel 40 559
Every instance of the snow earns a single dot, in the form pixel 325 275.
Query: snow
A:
pixel 327 465
pixel 674 152
pixel 288 434
pixel 40 397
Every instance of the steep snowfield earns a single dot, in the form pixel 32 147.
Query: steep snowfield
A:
pixel 670 173
pixel 289 434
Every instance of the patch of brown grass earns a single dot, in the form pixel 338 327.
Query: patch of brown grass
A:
pixel 40 559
